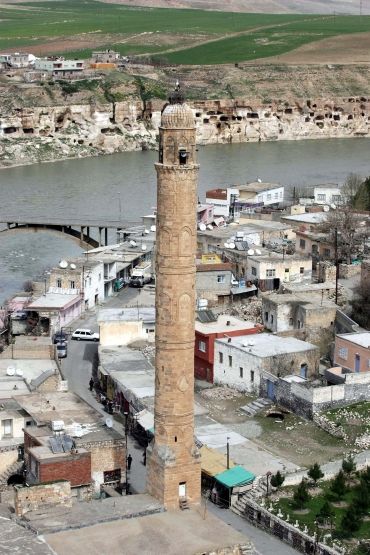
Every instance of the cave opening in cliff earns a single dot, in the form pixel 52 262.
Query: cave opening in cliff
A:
pixel 9 130
pixel 28 130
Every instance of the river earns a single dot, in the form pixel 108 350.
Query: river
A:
pixel 124 186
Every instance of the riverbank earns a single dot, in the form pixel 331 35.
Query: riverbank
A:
pixel 50 133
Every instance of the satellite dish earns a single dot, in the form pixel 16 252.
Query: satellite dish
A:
pixel 258 251
pixel 19 372
pixel 63 264
pixel 132 243
pixel 333 206
pixel 72 266
pixel 109 422
pixel 202 227
pixel 143 247
pixel 259 180
pixel 210 227
pixel 325 208
pixel 231 245
pixel 153 228
pixel 250 252
pixel 10 371
pixel 146 231
pixel 226 245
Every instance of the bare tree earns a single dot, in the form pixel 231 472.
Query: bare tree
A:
pixel 351 187
pixel 345 230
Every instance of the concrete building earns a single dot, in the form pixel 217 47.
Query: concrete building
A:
pixel 22 376
pixel 305 222
pixel 223 201
pixel 123 326
pixel 214 282
pixel 315 245
pixel 173 459
pixel 12 421
pixel 59 66
pixel 16 60
pixel 105 56
pixel 81 277
pixel 253 233
pixel 94 455
pixel 205 335
pixel 307 312
pixel 352 351
pixel 271 269
pixel 327 194
pixel 55 310
pixel 205 213
pixel 256 194
pixel 241 362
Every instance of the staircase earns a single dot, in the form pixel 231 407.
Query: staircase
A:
pixel 256 406
pixel 15 468
pixel 183 502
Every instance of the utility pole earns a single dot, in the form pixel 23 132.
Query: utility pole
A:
pixel 336 266
pixel 126 446
pixel 227 453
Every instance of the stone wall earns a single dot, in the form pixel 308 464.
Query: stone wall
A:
pixel 106 456
pixel 349 270
pixel 8 456
pixel 286 532
pixel 307 401
pixel 32 134
pixel 42 496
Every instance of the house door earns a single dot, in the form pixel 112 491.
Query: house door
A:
pixel 357 362
pixel 303 372
pixel 182 489
pixel 271 390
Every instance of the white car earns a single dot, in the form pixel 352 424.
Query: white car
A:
pixel 85 335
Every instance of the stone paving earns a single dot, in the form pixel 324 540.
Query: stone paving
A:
pixel 14 539
pixel 81 514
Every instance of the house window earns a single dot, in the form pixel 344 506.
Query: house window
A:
pixel 343 353
pixel 100 277
pixel 321 196
pixel 221 279
pixel 270 273
pixel 183 156
pixel 230 360
pixel 266 316
pixel 281 194
pixel 240 372
pixel 268 196
pixel 7 427
pixel 72 284
pixel 327 253
pixel 59 282
pixel 220 358
pixel 301 270
pixel 314 249
pixel 252 376
pixel 272 318
pixel 276 195
pixel 254 271
pixel 290 321
pixel 336 198
pixel 302 243
pixel 202 346
pixel 287 270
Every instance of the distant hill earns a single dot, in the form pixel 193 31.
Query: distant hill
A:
pixel 260 6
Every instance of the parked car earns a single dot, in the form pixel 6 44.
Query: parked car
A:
pixel 61 349
pixel 59 337
pixel 84 335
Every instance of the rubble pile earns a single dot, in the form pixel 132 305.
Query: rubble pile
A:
pixel 220 393
pixel 149 352
pixel 251 310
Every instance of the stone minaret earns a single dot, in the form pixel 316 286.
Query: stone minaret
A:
pixel 173 459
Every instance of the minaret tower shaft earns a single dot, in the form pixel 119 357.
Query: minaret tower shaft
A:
pixel 173 462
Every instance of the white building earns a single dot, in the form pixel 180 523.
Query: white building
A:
pixel 327 194
pixel 59 66
pixel 253 195
pixel 81 277
pixel 242 361
pixel 223 201
pixel 286 268
pixel 119 326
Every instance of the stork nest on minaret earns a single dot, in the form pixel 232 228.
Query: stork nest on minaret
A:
pixel 177 95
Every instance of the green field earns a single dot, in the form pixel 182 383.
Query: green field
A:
pixel 235 37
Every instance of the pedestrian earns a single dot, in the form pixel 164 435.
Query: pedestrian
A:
pixel 129 462
pixel 91 384
pixel 144 457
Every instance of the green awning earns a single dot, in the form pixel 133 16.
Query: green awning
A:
pixel 236 476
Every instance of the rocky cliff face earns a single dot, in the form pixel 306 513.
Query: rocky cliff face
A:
pixel 36 134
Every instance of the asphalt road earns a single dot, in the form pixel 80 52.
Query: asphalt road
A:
pixel 76 368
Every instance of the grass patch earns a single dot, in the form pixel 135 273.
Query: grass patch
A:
pixel 267 34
